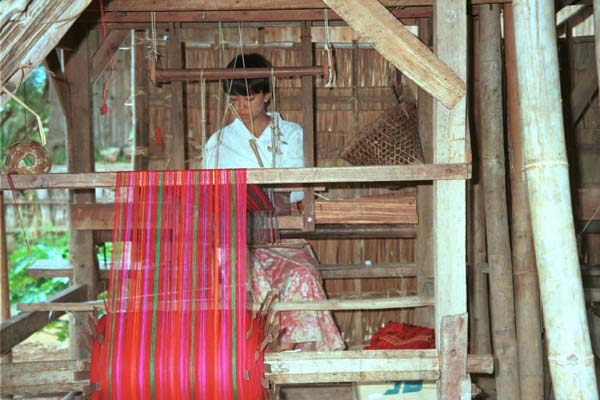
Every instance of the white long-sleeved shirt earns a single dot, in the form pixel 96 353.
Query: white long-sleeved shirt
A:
pixel 235 150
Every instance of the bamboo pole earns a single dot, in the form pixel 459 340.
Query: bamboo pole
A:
pixel 545 164
pixel 527 294
pixel 480 315
pixel 493 173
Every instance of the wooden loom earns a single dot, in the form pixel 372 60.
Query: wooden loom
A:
pixel 446 364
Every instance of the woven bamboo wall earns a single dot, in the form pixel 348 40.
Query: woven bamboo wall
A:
pixel 356 99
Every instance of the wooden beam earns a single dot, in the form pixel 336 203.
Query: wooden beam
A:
pixel 4 275
pixel 362 366
pixel 390 270
pixel 80 157
pixel 582 94
pixel 455 384
pixel 423 253
pixel 214 74
pixel 26 39
pixel 401 48
pixel 211 5
pixel 39 378
pixel 403 173
pixel 308 124
pixel 175 140
pixel 387 303
pixel 143 17
pixel 21 326
pixel 107 52
pixel 449 208
pixel 58 79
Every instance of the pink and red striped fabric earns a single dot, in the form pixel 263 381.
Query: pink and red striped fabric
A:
pixel 177 325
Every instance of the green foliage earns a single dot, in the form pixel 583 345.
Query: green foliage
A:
pixel 25 289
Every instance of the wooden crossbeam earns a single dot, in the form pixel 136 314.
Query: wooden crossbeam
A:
pixel 400 47
pixel 107 51
pixel 208 5
pixel 41 377
pixel 272 176
pixel 362 366
pixel 387 303
pixel 359 211
pixel 21 326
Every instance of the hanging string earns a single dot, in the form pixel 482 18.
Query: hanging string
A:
pixel 113 59
pixel 327 47
pixel 36 115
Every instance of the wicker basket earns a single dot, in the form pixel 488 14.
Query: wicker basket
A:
pixel 392 139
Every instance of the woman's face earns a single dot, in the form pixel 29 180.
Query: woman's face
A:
pixel 250 108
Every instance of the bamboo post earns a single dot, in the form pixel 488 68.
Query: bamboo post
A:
pixel 4 281
pixel 449 208
pixel 80 153
pixel 423 254
pixel 527 294
pixel 546 167
pixel 493 172
pixel 480 315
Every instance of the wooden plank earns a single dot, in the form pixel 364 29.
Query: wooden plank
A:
pixel 40 377
pixel 589 202
pixel 453 356
pixel 351 366
pixel 175 140
pixel 387 303
pixel 390 270
pixel 449 208
pixel 107 52
pixel 208 5
pixel 582 94
pixel 21 326
pixel 404 173
pixel 368 210
pixel 4 275
pixel 308 124
pixel 362 366
pixel 401 48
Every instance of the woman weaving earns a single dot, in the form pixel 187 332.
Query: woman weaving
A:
pixel 257 139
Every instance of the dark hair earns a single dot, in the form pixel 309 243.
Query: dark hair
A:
pixel 249 86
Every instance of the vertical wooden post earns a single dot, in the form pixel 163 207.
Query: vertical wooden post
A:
pixel 527 294
pixel 449 208
pixel 4 280
pixel 597 36
pixel 308 124
pixel 80 154
pixel 175 143
pixel 142 94
pixel 504 337
pixel 424 316
pixel 546 168
pixel 479 312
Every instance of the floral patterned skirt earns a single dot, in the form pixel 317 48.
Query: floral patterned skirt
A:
pixel 293 273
